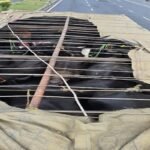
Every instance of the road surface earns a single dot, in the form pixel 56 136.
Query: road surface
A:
pixel 137 10
pixel 15 1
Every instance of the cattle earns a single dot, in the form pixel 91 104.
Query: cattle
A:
pixel 110 76
pixel 93 80
pixel 119 100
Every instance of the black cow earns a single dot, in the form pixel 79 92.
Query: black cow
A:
pixel 102 75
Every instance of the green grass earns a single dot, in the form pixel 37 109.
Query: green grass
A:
pixel 29 5
pixel 4 5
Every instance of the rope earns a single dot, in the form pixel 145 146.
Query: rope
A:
pixel 69 88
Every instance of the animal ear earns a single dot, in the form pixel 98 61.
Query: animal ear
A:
pixel 85 52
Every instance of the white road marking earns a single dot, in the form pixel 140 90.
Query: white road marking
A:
pixel 92 9
pixel 148 19
pixel 86 1
pixel 120 6
pixel 131 11
pixel 138 3
pixel 54 5
pixel 89 5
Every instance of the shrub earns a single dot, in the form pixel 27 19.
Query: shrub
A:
pixel 4 4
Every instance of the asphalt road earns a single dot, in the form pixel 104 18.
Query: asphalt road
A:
pixel 15 1
pixel 137 10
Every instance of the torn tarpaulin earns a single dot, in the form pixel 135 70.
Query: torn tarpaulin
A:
pixel 35 129
pixel 140 64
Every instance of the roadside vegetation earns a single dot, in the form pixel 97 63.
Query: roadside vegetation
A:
pixel 4 5
pixel 29 5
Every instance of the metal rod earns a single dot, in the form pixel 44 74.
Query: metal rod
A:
pixel 77 90
pixel 78 69
pixel 77 76
pixel 109 59
pixel 81 98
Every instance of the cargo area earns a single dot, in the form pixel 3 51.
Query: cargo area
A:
pixel 105 61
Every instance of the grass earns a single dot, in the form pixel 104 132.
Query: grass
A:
pixel 4 5
pixel 29 5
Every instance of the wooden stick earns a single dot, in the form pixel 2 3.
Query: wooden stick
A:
pixel 35 102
